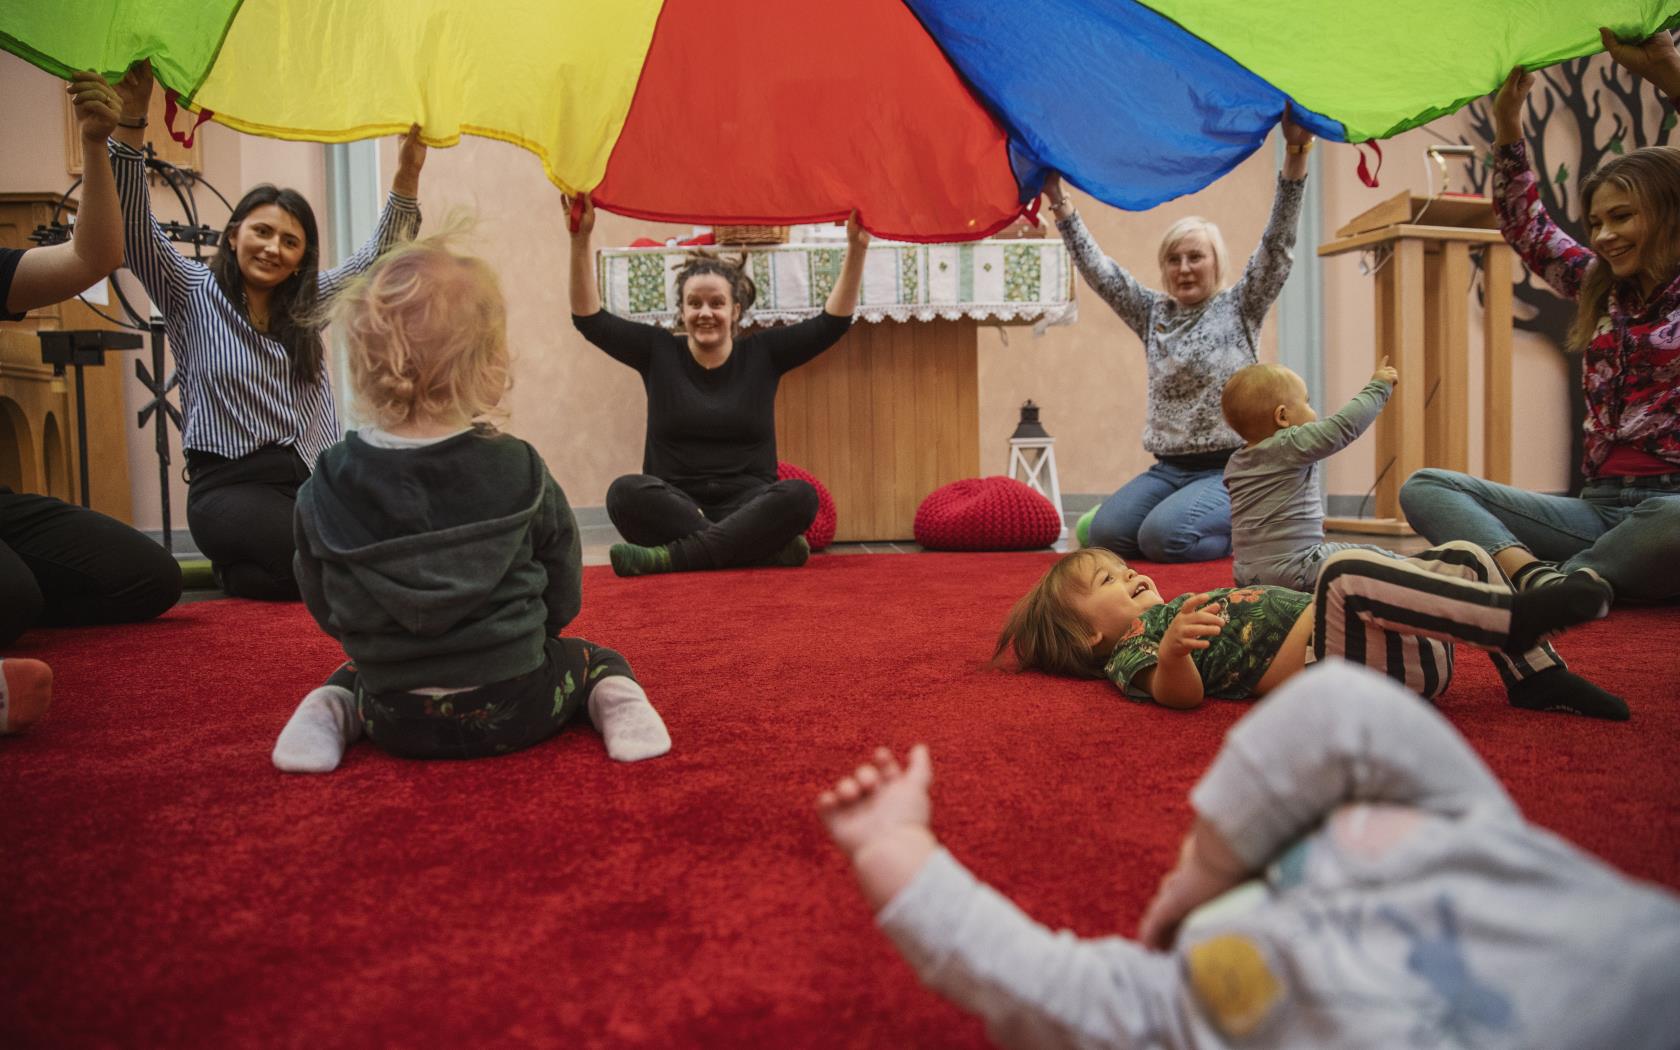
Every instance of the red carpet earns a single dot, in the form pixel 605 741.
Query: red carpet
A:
pixel 165 886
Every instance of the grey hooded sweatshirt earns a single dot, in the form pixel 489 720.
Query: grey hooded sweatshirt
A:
pixel 444 566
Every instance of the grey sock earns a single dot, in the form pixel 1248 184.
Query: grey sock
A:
pixel 323 725
pixel 628 723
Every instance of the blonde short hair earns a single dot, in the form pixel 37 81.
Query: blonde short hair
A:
pixel 1216 244
pixel 1044 629
pixel 426 331
pixel 1252 396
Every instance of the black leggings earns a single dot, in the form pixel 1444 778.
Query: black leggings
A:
pixel 732 523
pixel 63 566
pixel 492 719
pixel 240 514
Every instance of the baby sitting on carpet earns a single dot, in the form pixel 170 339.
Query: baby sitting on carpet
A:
pixel 1093 615
pixel 1355 877
pixel 1277 496
pixel 440 552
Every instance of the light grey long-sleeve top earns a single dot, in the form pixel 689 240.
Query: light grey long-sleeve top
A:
pixel 1406 904
pixel 1191 351
pixel 1277 494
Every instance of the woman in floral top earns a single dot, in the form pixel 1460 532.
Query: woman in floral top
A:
pixel 1624 528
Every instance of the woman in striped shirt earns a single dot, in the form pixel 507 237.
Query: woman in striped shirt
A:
pixel 254 390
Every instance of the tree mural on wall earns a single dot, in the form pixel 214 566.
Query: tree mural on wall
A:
pixel 1610 112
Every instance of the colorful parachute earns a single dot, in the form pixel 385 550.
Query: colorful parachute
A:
pixel 935 118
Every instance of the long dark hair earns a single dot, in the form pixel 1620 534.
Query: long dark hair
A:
pixel 741 287
pixel 1651 176
pixel 292 304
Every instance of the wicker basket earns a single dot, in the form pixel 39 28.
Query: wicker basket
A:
pixel 750 234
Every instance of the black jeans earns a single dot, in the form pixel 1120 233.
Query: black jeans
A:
pixel 492 719
pixel 724 524
pixel 62 565
pixel 240 514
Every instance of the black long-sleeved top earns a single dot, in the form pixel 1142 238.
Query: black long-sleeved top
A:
pixel 707 425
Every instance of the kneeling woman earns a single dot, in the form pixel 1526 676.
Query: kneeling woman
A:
pixel 707 497
pixel 258 407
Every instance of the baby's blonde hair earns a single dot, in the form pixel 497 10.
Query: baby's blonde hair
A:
pixel 426 330
pixel 1251 398
pixel 1216 244
pixel 1046 632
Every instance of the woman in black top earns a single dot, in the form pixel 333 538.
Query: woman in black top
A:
pixel 707 497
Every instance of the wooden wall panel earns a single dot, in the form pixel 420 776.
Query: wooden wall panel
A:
pixel 884 418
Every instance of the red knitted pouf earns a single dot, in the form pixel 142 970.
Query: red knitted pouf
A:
pixel 986 514
pixel 821 532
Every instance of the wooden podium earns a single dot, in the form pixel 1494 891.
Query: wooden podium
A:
pixel 1423 285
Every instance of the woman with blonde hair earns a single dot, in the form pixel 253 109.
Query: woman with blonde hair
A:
pixel 1195 334
pixel 1623 528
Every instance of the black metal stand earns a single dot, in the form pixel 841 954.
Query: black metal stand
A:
pixel 153 380
pixel 78 349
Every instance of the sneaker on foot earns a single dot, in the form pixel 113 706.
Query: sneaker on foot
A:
pixel 25 693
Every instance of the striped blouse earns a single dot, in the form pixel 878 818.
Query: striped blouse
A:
pixel 237 390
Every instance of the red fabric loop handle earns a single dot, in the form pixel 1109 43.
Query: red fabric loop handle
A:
pixel 171 106
pixel 1031 211
pixel 1368 175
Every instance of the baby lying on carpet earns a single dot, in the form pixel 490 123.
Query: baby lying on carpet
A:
pixel 1093 615
pixel 1355 877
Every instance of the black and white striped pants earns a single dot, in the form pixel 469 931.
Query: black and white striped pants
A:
pixel 1401 616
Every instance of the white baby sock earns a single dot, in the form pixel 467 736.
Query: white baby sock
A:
pixel 628 723
pixel 323 725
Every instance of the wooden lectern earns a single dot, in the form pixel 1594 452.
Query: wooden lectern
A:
pixel 1423 284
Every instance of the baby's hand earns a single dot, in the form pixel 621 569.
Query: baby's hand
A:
pixel 878 800
pixel 1195 623
pixel 879 818
pixel 1386 373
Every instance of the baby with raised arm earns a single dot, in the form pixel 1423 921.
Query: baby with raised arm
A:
pixel 440 552
pixel 1355 877
pixel 1275 480
pixel 1092 615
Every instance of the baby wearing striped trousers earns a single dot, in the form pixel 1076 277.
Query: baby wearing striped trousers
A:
pixel 1092 615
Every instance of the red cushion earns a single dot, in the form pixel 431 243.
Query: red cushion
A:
pixel 821 532
pixel 986 514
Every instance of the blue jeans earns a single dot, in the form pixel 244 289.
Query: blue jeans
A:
pixel 1625 529
pixel 1167 514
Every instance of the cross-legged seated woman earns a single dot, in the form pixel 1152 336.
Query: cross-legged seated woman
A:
pixel 707 496
pixel 1624 526
pixel 1195 335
